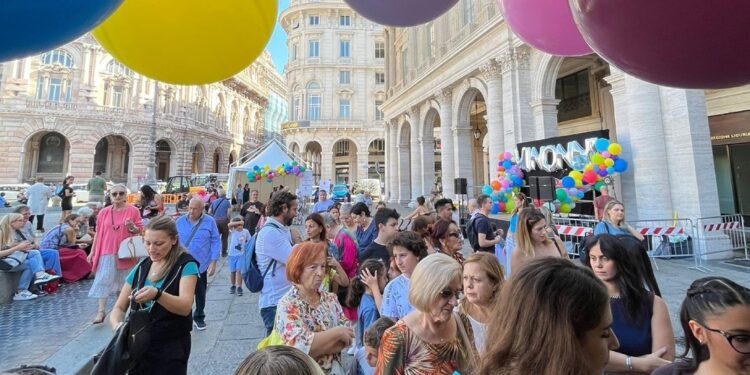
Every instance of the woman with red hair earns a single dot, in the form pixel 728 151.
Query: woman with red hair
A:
pixel 309 319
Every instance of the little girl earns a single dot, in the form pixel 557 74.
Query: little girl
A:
pixel 240 236
pixel 366 294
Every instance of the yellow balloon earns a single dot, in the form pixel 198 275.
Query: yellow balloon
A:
pixel 188 42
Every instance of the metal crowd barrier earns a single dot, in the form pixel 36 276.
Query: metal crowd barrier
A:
pixel 668 239
pixel 573 231
pixel 721 237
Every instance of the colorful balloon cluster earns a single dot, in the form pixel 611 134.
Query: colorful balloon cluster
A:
pixel 258 173
pixel 509 181
pixel 606 161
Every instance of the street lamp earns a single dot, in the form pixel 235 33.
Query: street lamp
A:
pixel 151 166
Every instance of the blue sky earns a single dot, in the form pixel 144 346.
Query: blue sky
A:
pixel 277 45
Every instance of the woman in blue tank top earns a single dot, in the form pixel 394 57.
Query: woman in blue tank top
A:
pixel 640 319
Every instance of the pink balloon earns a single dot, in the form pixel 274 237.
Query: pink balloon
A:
pixel 546 25
pixel 681 43
pixel 401 13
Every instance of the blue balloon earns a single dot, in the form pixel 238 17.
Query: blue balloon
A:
pixel 495 198
pixel 495 208
pixel 507 164
pixel 568 182
pixel 611 170
pixel 29 27
pixel 579 162
pixel 620 166
pixel 602 144
pixel 487 190
pixel 579 195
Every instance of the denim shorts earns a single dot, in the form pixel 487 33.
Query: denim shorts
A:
pixel 236 263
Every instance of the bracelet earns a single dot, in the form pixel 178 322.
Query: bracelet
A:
pixel 158 294
pixel 629 363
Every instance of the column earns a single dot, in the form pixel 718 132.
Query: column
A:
pixel 362 165
pixel 689 153
pixel 496 143
pixel 544 112
pixel 640 131
pixel 416 154
pixel 326 166
pixel 516 83
pixel 427 150
pixel 445 98
pixel 404 173
pixel 393 162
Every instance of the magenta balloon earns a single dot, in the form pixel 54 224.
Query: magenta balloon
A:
pixel 401 13
pixel 681 43
pixel 546 25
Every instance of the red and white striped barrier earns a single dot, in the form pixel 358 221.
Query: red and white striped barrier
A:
pixel 661 231
pixel 569 230
pixel 721 226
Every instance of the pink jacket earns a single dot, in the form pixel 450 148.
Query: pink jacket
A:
pixel 111 231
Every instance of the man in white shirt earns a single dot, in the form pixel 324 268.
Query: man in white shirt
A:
pixel 272 249
pixel 39 195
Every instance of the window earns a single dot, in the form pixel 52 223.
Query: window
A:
pixel 344 48
pixel 314 20
pixel 57 57
pixel 379 50
pixel 294 52
pixel 574 95
pixel 377 147
pixel 342 148
pixel 379 78
pixel 313 107
pixel 313 48
pixel 51 153
pixel 116 67
pixel 378 113
pixel 345 21
pixel 296 109
pixel 344 108
pixel 117 96
pixel 344 77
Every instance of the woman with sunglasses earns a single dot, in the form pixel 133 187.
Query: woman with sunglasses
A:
pixel 715 317
pixel 446 237
pixel 433 338
pixel 114 224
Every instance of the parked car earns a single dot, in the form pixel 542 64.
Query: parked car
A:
pixel 340 193
pixel 81 192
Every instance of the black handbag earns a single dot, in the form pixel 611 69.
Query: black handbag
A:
pixel 130 342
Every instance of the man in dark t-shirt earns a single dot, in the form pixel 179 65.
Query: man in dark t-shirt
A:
pixel 387 222
pixel 251 211
pixel 487 237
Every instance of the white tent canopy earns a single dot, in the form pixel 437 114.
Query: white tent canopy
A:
pixel 273 154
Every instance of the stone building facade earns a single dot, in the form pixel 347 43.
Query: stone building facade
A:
pixel 336 81
pixel 462 89
pixel 76 110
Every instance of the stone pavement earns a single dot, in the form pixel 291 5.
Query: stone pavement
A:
pixel 56 329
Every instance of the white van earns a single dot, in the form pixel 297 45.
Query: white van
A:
pixel 11 191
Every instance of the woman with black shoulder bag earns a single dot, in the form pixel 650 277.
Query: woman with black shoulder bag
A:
pixel 164 285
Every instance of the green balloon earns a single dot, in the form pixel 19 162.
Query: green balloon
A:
pixel 561 194
pixel 598 185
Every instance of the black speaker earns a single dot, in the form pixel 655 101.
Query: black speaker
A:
pixel 546 188
pixel 534 187
pixel 459 186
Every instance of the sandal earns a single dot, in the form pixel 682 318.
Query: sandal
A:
pixel 100 317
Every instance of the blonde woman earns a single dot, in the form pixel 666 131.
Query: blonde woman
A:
pixel 519 202
pixel 535 240
pixel 32 268
pixel 482 279
pixel 613 222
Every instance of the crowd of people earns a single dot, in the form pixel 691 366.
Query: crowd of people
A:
pixel 399 301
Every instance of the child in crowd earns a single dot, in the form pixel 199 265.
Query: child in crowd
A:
pixel 366 293
pixel 240 236
pixel 372 339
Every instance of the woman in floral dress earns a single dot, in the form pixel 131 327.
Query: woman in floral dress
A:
pixel 309 319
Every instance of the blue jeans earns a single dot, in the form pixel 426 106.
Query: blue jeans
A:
pixel 269 317
pixel 51 260
pixel 35 261
pixel 26 276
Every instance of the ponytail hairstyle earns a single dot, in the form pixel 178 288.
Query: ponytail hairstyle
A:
pixel 357 287
pixel 707 297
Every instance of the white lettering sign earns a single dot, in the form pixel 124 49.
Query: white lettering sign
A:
pixel 550 158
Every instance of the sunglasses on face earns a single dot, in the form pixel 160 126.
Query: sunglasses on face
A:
pixel 117 193
pixel 447 294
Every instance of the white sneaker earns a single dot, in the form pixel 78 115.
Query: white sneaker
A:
pixel 45 278
pixel 24 295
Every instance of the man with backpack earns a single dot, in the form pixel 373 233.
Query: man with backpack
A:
pixel 482 236
pixel 273 246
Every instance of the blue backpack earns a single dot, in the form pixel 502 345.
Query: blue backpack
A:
pixel 252 276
